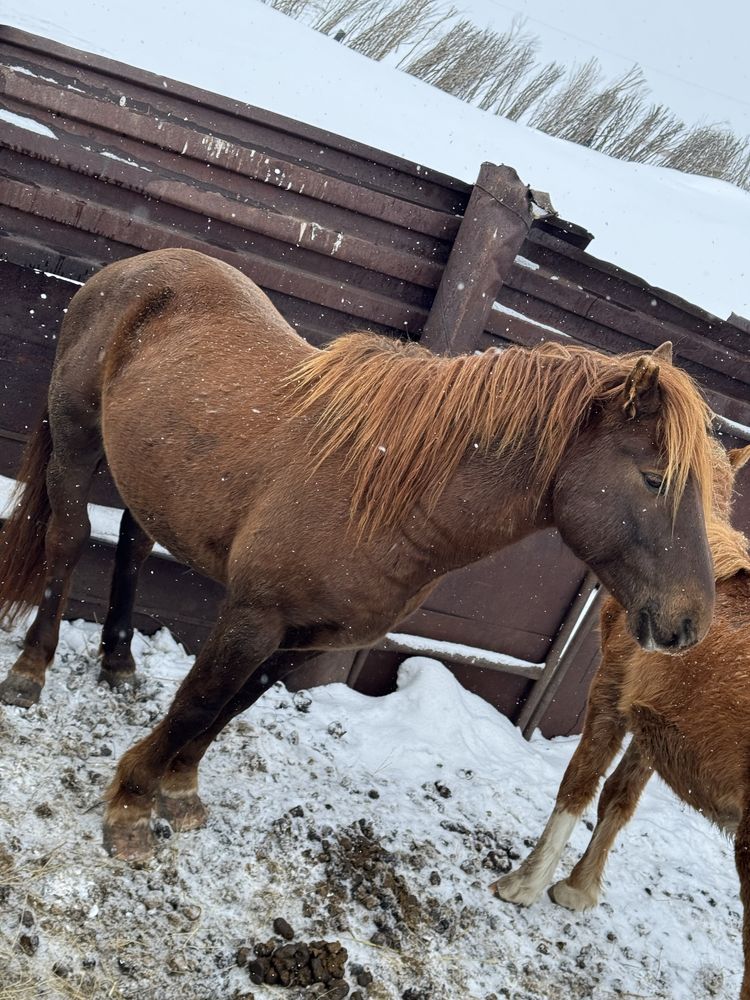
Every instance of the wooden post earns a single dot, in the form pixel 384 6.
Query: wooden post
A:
pixel 495 224
pixel 358 661
pixel 583 613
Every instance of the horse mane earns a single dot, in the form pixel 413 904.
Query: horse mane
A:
pixel 729 549
pixel 405 417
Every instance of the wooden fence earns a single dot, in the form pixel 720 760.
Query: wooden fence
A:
pixel 99 161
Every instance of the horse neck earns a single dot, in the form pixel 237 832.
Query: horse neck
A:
pixel 492 501
pixel 495 497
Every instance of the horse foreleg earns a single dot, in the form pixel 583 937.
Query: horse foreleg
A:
pixel 603 732
pixel 240 641
pixel 69 473
pixel 617 803
pixel 742 860
pixel 178 800
pixel 133 547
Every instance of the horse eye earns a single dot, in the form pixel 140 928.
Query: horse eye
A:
pixel 653 481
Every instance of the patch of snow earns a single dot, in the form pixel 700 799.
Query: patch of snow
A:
pixel 124 159
pixel 21 121
pixel 25 71
pixel 525 262
pixel 735 428
pixel 499 307
pixel 438 648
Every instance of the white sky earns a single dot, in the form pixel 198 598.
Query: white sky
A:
pixel 694 54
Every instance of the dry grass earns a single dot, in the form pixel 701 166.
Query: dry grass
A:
pixel 55 987
pixel 18 982
pixel 500 72
pixel 406 24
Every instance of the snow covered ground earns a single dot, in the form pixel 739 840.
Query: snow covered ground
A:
pixel 683 233
pixel 378 823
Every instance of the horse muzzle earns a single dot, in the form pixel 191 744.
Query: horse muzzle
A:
pixel 674 637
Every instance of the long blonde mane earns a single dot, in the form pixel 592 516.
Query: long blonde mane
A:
pixel 729 550
pixel 405 417
pixel 729 547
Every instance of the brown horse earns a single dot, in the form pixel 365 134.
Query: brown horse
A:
pixel 330 490
pixel 690 720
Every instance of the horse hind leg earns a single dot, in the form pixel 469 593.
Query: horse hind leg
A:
pixel 76 453
pixel 177 799
pixel 242 639
pixel 133 547
pixel 617 803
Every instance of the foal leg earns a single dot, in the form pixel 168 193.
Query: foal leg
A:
pixel 742 860
pixel 623 788
pixel 77 452
pixel 242 638
pixel 603 732
pixel 178 800
pixel 133 547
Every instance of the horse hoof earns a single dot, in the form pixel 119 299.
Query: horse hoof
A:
pixel 20 690
pixel 517 888
pixel 572 898
pixel 182 812
pixel 129 841
pixel 118 678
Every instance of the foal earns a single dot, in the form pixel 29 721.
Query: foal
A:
pixel 330 490
pixel 690 720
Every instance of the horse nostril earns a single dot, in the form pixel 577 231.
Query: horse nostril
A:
pixel 644 629
pixel 651 637
pixel 684 637
pixel 688 633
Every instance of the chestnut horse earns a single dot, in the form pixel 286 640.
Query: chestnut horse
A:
pixel 330 490
pixel 690 720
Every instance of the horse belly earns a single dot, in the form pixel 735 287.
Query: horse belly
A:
pixel 705 778
pixel 346 622
pixel 177 480
pixel 342 606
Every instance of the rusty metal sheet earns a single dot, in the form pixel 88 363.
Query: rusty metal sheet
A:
pixel 565 261
pixel 216 114
pixel 641 326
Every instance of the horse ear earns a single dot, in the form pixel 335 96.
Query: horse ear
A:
pixel 641 396
pixel 739 457
pixel 663 353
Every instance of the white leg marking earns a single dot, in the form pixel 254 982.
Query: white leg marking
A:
pixel 573 897
pixel 527 883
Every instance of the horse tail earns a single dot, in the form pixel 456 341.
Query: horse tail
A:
pixel 22 558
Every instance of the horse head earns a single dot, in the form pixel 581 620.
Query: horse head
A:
pixel 619 507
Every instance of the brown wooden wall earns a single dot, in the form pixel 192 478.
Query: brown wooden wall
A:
pixel 111 161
